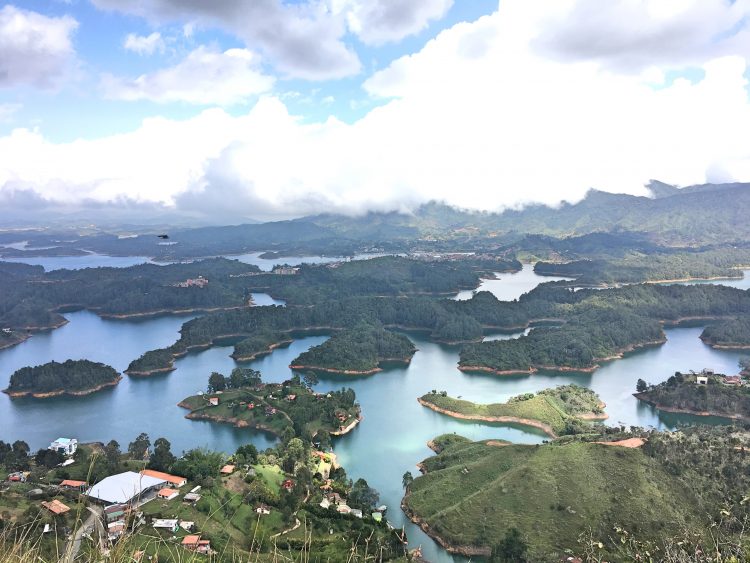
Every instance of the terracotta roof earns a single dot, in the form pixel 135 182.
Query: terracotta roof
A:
pixel 167 492
pixel 227 469
pixel 72 483
pixel 56 507
pixel 191 540
pixel 174 479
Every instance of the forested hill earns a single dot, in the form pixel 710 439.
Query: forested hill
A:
pixel 74 377
pixel 357 350
pixel 696 215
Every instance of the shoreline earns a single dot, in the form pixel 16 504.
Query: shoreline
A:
pixel 664 408
pixel 352 425
pixel 590 369
pixel 61 392
pixel 376 369
pixel 150 372
pixel 546 428
pixel 267 350
pixel 465 550
pixel 234 421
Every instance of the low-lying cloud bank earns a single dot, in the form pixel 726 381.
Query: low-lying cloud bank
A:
pixel 503 111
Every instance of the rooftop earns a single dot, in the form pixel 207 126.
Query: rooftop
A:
pixel 174 479
pixel 123 487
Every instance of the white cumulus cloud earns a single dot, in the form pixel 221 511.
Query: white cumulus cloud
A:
pixel 144 44
pixel 34 49
pixel 206 76
pixel 481 117
pixel 377 22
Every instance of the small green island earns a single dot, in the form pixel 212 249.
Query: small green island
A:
pixel 703 394
pixel 71 377
pixel 243 400
pixel 357 351
pixel 557 411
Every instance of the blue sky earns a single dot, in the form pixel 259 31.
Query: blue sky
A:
pixel 77 109
pixel 271 109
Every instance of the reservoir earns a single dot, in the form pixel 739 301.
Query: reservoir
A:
pixel 390 440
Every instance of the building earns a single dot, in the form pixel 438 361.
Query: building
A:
pixel 213 401
pixel 325 503
pixel 71 484
pixel 173 480
pixel 66 446
pixel 191 497
pixel 195 543
pixel 284 270
pixel 344 509
pixel 356 512
pixel 166 524
pixel 18 477
pixel 125 488
pixel 287 485
pixel 115 512
pixel 227 470
pixel 56 507
pixel 262 509
pixel 732 380
pixel 187 525
pixel 701 380
pixel 167 494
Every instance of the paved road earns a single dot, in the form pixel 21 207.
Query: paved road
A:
pixel 93 522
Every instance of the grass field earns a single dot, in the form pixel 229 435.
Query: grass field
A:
pixel 552 407
pixel 474 492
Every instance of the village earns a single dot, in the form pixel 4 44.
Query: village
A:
pixel 205 504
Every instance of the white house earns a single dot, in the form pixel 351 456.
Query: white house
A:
pixel 66 446
pixel 170 524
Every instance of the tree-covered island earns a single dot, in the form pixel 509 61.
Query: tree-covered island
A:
pixel 702 394
pixel 357 351
pixel 560 410
pixel 71 377
pixel 288 408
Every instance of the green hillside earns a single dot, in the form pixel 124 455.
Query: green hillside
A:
pixel 473 493
pixel 561 409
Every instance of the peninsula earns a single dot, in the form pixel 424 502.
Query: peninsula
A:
pixel 277 408
pixel 72 377
pixel 703 395
pixel 556 411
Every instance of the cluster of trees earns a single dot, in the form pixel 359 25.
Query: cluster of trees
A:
pixel 733 332
pixel 681 392
pixel 70 375
pixel 361 348
pixel 240 377
pixel 34 298
pixel 259 343
pixel 15 456
pixel 635 266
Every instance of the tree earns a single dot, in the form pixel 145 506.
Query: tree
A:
pixel 407 480
pixel 216 382
pixel 641 386
pixel 48 458
pixel 248 453
pixel 138 448
pixel 244 377
pixel 363 495
pixel 112 453
pixel 162 458
pixel 512 549
pixel 198 464
pixel 21 448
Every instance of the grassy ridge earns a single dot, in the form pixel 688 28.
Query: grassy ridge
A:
pixel 473 493
pixel 551 407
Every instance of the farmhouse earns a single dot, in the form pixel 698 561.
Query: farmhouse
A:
pixel 173 480
pixel 167 494
pixel 71 484
pixel 56 507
